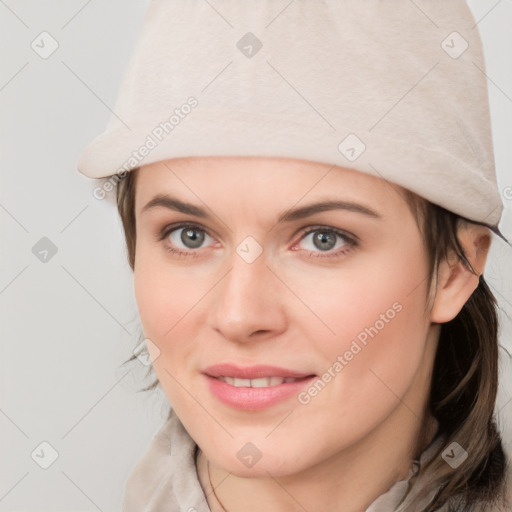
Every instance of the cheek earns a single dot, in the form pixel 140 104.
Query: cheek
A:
pixel 167 299
pixel 377 330
pixel 164 299
pixel 163 292
pixel 386 292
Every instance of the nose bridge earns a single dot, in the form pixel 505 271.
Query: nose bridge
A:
pixel 245 284
pixel 243 302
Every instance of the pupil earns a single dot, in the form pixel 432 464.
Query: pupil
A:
pixel 322 237
pixel 190 236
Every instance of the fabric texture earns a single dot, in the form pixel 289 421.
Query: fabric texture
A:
pixel 167 479
pixel 393 89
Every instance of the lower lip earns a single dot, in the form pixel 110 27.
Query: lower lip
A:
pixel 252 399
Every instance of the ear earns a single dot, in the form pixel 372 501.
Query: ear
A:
pixel 456 283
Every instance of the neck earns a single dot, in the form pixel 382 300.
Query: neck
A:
pixel 351 479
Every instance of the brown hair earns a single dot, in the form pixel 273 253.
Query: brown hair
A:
pixel 465 375
pixel 464 381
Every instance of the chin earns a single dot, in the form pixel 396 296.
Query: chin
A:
pixel 277 464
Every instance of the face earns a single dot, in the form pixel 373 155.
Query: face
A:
pixel 333 299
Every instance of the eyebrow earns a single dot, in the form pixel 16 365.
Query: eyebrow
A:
pixel 171 203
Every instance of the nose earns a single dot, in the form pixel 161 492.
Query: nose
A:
pixel 248 302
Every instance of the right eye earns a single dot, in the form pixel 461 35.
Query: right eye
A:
pixel 184 236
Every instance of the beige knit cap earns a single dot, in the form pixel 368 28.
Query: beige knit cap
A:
pixel 395 89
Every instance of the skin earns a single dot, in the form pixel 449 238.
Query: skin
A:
pixel 288 308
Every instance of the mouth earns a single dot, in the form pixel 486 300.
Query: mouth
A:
pixel 254 388
pixel 262 382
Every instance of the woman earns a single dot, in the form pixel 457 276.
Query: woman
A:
pixel 308 232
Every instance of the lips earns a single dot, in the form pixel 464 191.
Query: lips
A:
pixel 260 382
pixel 252 372
pixel 254 388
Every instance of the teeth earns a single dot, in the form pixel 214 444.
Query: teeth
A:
pixel 241 383
pixel 262 382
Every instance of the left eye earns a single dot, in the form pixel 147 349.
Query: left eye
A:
pixel 324 240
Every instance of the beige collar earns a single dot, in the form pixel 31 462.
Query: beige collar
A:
pixel 167 479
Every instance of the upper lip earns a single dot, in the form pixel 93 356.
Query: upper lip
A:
pixel 251 372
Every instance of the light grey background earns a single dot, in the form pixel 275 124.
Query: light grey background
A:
pixel 67 325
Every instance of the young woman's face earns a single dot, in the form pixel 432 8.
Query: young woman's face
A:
pixel 250 274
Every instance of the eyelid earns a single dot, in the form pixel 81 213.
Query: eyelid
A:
pixel 319 227
pixel 164 232
pixel 168 229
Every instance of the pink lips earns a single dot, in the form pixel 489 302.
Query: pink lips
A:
pixel 251 372
pixel 249 398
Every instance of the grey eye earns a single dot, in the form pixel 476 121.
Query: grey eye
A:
pixel 324 240
pixel 191 237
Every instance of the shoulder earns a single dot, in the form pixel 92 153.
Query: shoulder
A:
pixel 165 477
pixel 150 469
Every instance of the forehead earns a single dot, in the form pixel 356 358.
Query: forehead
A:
pixel 270 182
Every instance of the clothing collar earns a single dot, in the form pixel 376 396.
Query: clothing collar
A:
pixel 166 478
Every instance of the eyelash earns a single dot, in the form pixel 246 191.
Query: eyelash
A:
pixel 351 241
